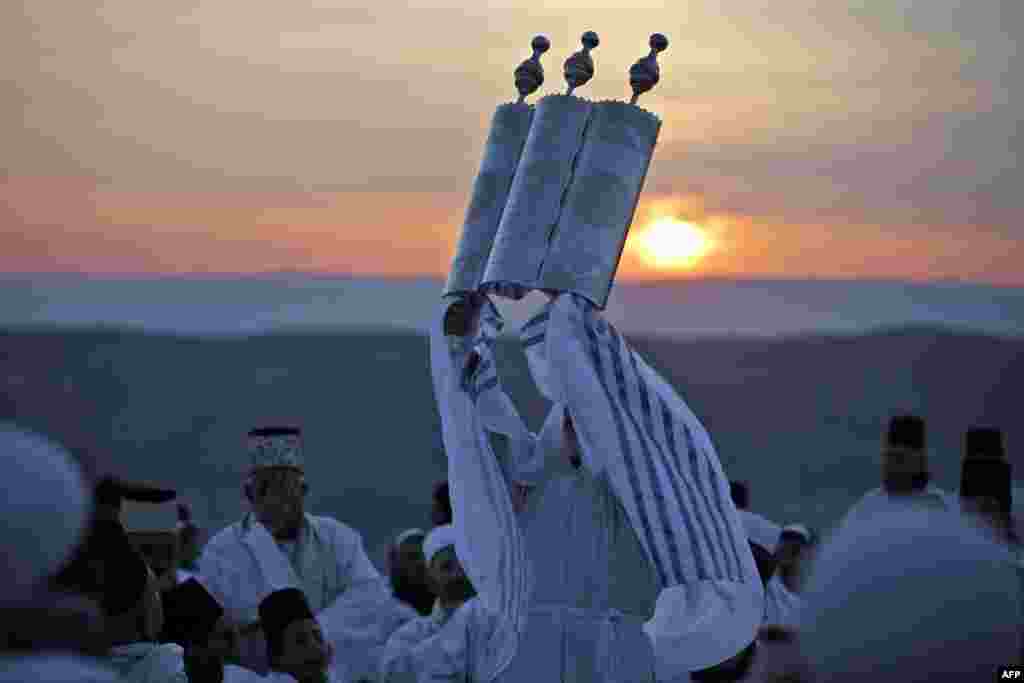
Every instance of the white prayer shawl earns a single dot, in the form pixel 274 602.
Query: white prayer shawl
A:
pixel 878 501
pixel 488 541
pixel 149 663
pixel 663 468
pixel 54 667
pixel 243 564
pixel 713 600
pixel 761 530
pixel 781 605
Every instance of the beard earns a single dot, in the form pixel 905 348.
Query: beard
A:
pixel 414 591
pixel 459 590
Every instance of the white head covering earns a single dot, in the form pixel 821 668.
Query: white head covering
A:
pixel 437 540
pixel 918 595
pixel 45 508
pixel 275 447
pixel 407 534
pixel 798 529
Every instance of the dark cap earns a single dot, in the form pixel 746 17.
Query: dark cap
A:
pixel 984 443
pixel 112 491
pixel 277 611
pixel 275 431
pixel 190 613
pixel 906 431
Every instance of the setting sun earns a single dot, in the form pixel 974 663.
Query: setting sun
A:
pixel 670 244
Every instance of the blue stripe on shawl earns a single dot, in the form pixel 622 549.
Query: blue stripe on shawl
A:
pixel 627 454
pixel 734 545
pixel 655 481
pixel 702 572
pixel 670 539
pixel 695 467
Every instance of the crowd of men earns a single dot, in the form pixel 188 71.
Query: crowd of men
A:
pixel 608 548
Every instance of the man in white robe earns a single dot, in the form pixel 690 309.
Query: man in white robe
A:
pixel 637 564
pixel 782 599
pixel 407 573
pixel 46 493
pixel 906 480
pixel 402 659
pixel 279 545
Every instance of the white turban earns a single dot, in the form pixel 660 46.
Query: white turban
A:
pixel 437 540
pixel 798 530
pixel 407 534
pixel 45 508
pixel 914 594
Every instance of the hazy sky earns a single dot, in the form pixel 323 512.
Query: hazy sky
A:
pixel 827 139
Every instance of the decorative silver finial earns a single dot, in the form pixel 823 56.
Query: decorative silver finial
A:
pixel 645 73
pixel 579 68
pixel 530 74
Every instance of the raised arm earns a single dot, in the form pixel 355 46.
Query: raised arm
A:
pixel 664 470
pixel 489 542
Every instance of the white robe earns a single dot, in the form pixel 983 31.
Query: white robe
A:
pixel 149 662
pixel 243 564
pixel 399 658
pixel 877 501
pixel 457 647
pixel 55 667
pixel 645 527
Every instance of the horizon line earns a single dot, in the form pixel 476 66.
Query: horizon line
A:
pixel 257 276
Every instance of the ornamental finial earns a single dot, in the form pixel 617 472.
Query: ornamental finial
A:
pixel 645 73
pixel 579 68
pixel 530 74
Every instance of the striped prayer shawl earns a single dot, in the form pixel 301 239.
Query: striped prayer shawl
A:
pixel 489 543
pixel 663 466
pixel 665 472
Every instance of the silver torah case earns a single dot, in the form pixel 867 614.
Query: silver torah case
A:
pixel 558 189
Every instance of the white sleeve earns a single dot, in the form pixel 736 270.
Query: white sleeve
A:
pixel 489 542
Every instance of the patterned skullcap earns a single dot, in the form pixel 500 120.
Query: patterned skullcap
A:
pixel 275 447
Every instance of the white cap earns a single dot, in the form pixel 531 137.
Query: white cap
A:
pixel 798 529
pixel 437 540
pixel 911 594
pixel 45 508
pixel 407 534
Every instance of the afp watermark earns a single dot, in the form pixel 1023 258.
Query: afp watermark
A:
pixel 1009 673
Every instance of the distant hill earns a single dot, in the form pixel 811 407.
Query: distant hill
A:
pixel 801 418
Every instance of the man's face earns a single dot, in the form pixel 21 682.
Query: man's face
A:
pixel 407 561
pixel 278 498
pixel 304 652
pixel 901 467
pixel 448 577
pixel 788 552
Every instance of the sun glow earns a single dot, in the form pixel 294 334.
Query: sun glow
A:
pixel 671 244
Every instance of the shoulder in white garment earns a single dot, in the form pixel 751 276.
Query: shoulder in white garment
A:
pixel 54 668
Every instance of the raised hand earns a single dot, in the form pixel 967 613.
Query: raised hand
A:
pixel 460 318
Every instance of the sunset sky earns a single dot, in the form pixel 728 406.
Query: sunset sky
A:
pixel 803 139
